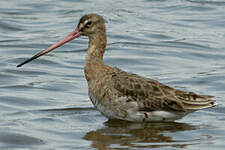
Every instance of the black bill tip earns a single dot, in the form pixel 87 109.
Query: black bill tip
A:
pixel 32 58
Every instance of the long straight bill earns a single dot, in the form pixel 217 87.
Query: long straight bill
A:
pixel 66 39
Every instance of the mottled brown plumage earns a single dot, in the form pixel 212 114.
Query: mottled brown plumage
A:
pixel 114 92
pixel 121 95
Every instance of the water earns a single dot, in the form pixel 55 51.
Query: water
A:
pixel 45 105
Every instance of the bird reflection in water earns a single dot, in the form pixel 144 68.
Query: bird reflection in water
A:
pixel 124 135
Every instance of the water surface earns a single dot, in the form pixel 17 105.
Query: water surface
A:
pixel 45 105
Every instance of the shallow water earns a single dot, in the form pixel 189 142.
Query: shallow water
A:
pixel 45 105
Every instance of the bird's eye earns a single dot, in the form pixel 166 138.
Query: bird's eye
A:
pixel 88 24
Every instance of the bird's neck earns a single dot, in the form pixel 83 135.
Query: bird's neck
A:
pixel 96 48
pixel 94 64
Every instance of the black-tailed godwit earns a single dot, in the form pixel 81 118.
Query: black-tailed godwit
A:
pixel 121 95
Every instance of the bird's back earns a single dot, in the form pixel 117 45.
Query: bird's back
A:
pixel 153 95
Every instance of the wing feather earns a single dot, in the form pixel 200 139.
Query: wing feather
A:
pixel 152 95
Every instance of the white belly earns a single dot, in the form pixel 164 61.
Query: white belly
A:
pixel 129 111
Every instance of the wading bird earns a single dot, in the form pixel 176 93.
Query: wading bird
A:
pixel 126 96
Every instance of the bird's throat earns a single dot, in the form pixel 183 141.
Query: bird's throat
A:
pixel 96 48
pixel 94 58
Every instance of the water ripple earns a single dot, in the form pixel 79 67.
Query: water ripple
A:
pixel 45 104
